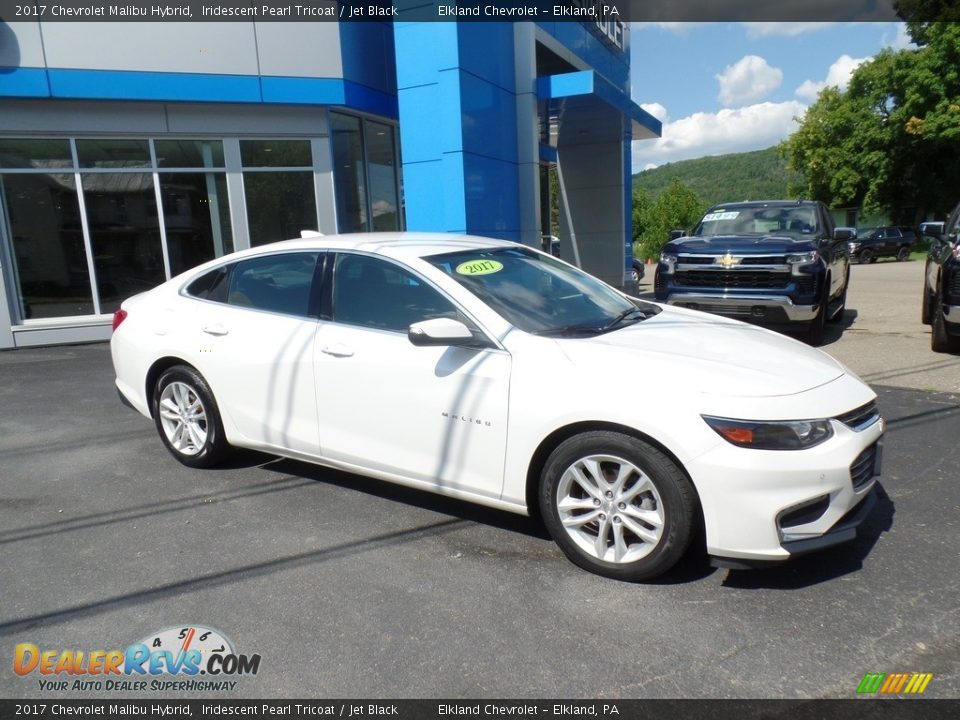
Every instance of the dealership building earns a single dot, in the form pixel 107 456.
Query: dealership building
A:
pixel 130 152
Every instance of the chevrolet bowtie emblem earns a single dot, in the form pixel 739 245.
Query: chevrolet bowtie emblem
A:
pixel 728 260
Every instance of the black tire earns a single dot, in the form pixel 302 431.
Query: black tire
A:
pixel 926 303
pixel 637 271
pixel 186 383
pixel 903 254
pixel 661 490
pixel 818 326
pixel 940 340
pixel 866 256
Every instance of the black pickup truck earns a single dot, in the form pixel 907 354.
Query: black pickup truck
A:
pixel 780 263
pixel 941 284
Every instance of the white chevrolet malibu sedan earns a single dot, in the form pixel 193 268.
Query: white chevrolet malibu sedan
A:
pixel 491 372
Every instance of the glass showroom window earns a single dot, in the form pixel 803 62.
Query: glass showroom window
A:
pixel 196 211
pixel 80 209
pixel 49 261
pixel 278 187
pixel 365 174
pixel 122 218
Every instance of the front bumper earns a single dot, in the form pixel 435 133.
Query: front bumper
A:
pixel 768 506
pixel 778 308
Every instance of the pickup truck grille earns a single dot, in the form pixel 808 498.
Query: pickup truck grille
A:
pixel 732 279
pixel 953 289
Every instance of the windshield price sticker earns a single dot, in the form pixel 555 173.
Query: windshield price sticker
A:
pixel 479 267
pixel 729 215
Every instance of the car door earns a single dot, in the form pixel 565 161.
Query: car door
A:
pixel 432 414
pixel 256 336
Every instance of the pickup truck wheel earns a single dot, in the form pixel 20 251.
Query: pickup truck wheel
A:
pixel 818 326
pixel 903 254
pixel 925 304
pixel 617 506
pixel 940 340
pixel 866 256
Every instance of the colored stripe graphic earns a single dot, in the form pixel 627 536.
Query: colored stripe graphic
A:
pixel 894 683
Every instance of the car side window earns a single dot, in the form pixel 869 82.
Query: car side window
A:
pixel 211 285
pixel 375 293
pixel 279 283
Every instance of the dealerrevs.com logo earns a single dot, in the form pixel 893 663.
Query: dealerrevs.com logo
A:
pixel 189 658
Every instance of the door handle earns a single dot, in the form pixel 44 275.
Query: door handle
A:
pixel 338 350
pixel 215 329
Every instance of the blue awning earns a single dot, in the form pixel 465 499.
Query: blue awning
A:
pixel 583 108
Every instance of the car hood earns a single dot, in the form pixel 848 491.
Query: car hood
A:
pixel 744 244
pixel 707 354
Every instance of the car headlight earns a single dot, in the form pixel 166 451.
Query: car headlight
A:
pixel 669 259
pixel 853 246
pixel 803 258
pixel 765 435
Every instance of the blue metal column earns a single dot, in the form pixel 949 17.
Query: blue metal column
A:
pixel 457 97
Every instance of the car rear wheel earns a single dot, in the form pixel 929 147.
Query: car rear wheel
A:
pixel 903 254
pixel 940 340
pixel 617 506
pixel 866 256
pixel 187 418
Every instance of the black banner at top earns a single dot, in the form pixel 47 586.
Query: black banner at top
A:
pixel 478 10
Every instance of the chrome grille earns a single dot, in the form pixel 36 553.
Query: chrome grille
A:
pixel 862 417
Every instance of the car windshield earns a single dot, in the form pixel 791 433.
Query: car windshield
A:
pixel 759 220
pixel 540 294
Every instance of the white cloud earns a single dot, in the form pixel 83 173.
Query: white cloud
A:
pixel 748 80
pixel 837 76
pixel 730 130
pixel 901 38
pixel 787 29
pixel 656 109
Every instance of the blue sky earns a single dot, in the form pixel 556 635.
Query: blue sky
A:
pixel 732 87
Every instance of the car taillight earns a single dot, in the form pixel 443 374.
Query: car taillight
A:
pixel 118 317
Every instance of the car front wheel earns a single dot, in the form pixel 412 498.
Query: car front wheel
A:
pixel 866 256
pixel 617 506
pixel 187 418
pixel 903 254
pixel 941 341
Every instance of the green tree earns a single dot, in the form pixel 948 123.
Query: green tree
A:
pixel 889 142
pixel 641 209
pixel 677 207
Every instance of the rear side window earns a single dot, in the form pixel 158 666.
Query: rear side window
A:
pixel 275 283
pixel 210 286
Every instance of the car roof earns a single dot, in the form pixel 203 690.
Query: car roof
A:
pixel 394 244
pixel 765 203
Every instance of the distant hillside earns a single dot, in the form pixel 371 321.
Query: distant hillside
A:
pixel 758 175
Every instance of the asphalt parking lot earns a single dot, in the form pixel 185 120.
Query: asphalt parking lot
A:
pixel 350 587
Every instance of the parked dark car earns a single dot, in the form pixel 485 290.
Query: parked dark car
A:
pixel 941 284
pixel 878 242
pixel 772 262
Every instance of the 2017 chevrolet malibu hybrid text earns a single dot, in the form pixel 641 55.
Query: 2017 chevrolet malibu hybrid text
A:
pixel 491 372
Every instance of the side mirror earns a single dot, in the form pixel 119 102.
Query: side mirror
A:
pixel 932 229
pixel 677 234
pixel 844 233
pixel 441 331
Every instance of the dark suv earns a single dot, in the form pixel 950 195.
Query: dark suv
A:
pixel 941 284
pixel 775 262
pixel 895 242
